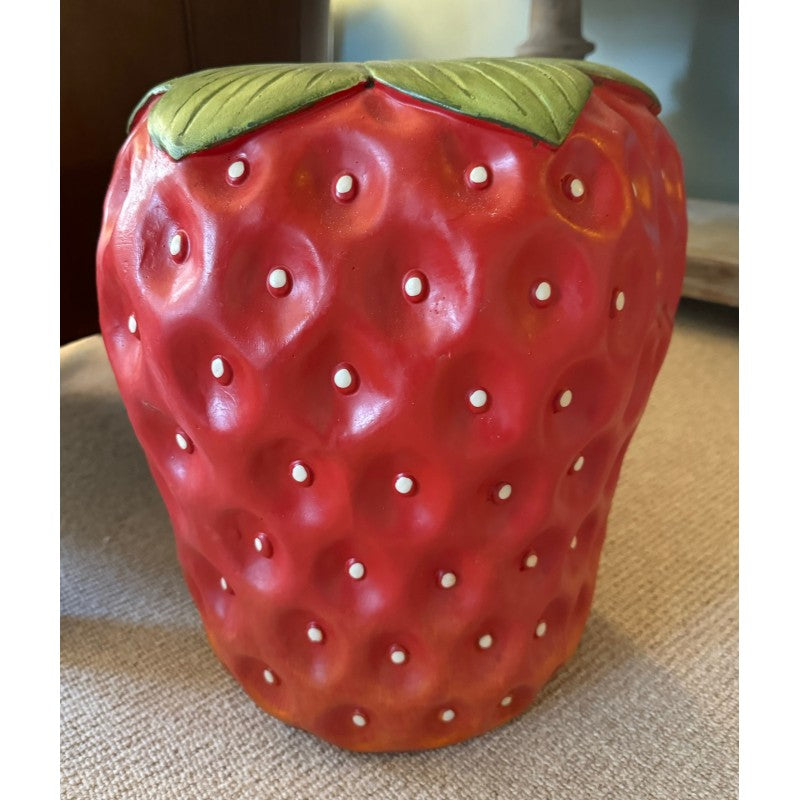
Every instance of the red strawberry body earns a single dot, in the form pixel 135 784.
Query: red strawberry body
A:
pixel 387 421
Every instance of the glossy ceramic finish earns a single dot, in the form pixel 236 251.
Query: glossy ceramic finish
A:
pixel 385 361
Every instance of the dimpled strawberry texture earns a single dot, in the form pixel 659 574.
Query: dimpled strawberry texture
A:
pixel 375 618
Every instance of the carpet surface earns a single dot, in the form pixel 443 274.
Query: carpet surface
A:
pixel 647 707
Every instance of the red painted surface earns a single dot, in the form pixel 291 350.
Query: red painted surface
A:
pixel 481 252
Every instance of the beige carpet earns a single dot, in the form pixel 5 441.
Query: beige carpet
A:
pixel 646 709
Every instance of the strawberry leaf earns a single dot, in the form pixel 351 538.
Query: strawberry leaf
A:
pixel 198 111
pixel 539 97
pixel 522 94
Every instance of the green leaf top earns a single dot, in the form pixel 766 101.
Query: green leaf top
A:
pixel 539 97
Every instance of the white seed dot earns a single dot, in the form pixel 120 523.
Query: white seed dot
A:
pixel 576 187
pixel 541 629
pixel 478 398
pixel 278 278
pixel 398 655
pixel 479 175
pixel 181 441
pixel 356 571
pixel 359 720
pixel 343 378
pixel 314 634
pixel 413 286
pixel 262 545
pixel 506 701
pixel 236 170
pixel 300 473
pixel 486 641
pixel 573 542
pixel 543 292
pixel 447 580
pixel 504 492
pixel 176 244
pixel 223 584
pixel 531 560
pixel 619 301
pixel 565 398
pixel 447 715
pixel 344 184
pixel 269 676
pixel 578 465
pixel 217 367
pixel 133 326
pixel 404 484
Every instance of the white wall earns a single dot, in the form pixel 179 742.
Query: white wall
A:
pixel 686 50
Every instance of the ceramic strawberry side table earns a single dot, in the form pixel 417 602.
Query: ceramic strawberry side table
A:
pixel 384 332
